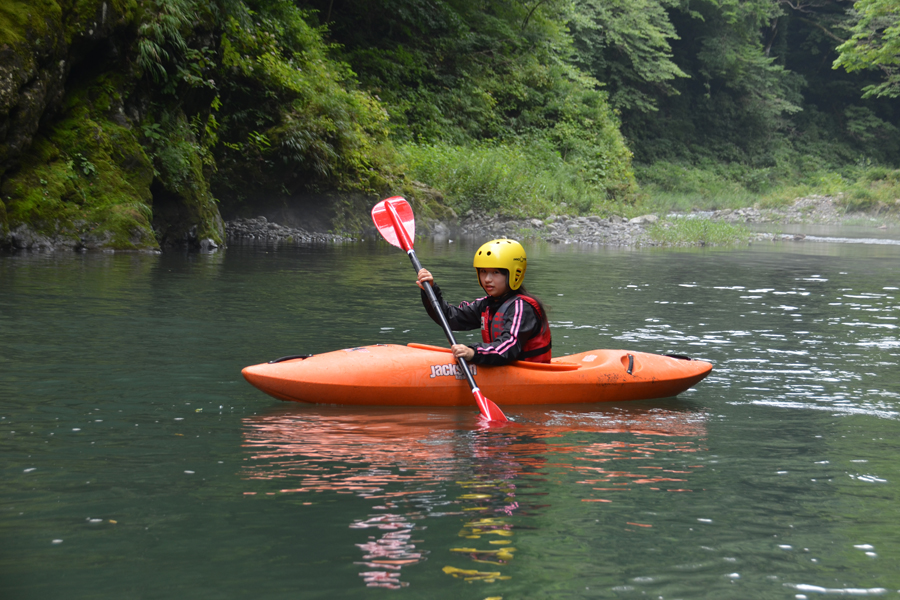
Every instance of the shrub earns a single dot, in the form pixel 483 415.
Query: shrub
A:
pixel 515 179
pixel 698 231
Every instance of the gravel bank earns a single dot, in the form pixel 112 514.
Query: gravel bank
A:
pixel 561 229
pixel 260 230
pixel 566 229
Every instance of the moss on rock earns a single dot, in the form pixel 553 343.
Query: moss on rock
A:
pixel 20 19
pixel 4 224
pixel 74 169
pixel 184 210
pixel 85 180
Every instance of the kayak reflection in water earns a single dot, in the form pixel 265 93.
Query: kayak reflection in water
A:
pixel 513 323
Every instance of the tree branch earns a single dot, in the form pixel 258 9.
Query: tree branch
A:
pixel 774 35
pixel 823 28
pixel 801 6
pixel 531 12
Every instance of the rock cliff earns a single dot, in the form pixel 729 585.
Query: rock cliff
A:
pixel 81 148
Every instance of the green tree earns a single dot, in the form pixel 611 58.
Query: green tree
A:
pixel 292 118
pixel 461 72
pixel 875 44
pixel 625 45
pixel 737 98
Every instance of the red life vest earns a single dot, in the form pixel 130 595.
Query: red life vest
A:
pixel 537 349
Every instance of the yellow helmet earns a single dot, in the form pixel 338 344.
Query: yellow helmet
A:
pixel 503 254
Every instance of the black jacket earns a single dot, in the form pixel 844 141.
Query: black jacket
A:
pixel 508 346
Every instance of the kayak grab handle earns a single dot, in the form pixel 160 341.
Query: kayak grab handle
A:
pixel 630 364
pixel 679 356
pixel 291 357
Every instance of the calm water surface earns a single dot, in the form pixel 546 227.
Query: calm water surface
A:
pixel 137 463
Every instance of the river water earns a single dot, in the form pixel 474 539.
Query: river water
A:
pixel 137 463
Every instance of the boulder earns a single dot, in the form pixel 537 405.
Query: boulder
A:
pixel 644 220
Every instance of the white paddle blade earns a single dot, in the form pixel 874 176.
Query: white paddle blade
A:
pixel 381 216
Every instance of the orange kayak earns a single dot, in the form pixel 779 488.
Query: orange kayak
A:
pixel 421 375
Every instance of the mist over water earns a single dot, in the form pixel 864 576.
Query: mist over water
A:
pixel 138 463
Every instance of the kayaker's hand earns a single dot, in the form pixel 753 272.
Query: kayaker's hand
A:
pixel 424 276
pixel 462 351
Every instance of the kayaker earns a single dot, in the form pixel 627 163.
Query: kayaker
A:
pixel 513 323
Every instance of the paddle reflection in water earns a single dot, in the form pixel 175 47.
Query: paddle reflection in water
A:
pixel 439 465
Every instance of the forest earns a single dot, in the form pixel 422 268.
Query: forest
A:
pixel 142 123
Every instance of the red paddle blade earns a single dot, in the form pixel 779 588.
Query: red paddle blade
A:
pixel 395 221
pixel 489 410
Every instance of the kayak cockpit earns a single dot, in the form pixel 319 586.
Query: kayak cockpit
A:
pixel 552 366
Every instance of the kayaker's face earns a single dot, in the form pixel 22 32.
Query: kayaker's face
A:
pixel 493 281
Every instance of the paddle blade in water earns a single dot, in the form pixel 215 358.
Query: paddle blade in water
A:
pixel 489 410
pixel 399 228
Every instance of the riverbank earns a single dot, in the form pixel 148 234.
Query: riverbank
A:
pixel 619 231
pixel 260 230
pixel 591 230
pixel 758 224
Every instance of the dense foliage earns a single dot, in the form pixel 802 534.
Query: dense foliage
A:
pixel 269 106
pixel 461 72
pixel 875 44
pixel 762 105
pixel 732 98
pixel 149 113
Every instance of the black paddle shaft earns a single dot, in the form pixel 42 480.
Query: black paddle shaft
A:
pixel 437 308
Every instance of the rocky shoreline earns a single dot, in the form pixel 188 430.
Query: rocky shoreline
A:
pixel 612 231
pixel 567 229
pixel 260 230
pixel 562 229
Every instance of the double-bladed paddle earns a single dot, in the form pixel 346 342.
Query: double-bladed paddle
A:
pixel 395 221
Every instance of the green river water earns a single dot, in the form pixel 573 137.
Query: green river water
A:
pixel 137 463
